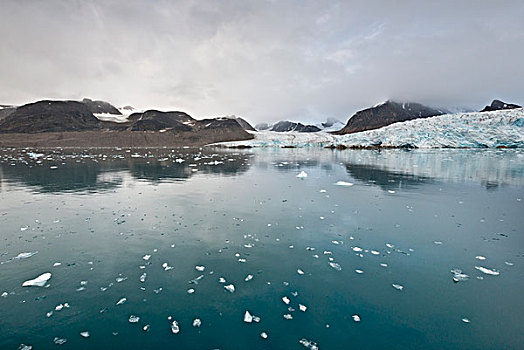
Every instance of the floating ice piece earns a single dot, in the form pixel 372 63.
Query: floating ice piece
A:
pixel 25 347
pixel 85 334
pixel 241 260
pixel 374 252
pixel 200 268
pixel 230 288
pixel 143 277
pixel 167 267
pixel 57 264
pixel 59 341
pixel 466 320
pixel 175 329
pixel 134 319
pixel 197 322
pixel 120 279
pixel 398 286
pixel 285 300
pixel 40 281
pixel 288 317
pixel 458 275
pixel 195 281
pixel 391 191
pixel 309 344
pixel 146 328
pixel 121 301
pixel 384 265
pixel 357 249
pixel 263 335
pixel 146 257
pixel 302 175
pixel 480 257
pixel 336 266
pixel 300 272
pixel 190 291
pixel 356 318
pixel 302 308
pixel 248 318
pixel 221 280
pixel 487 271
pixel 5 294
pixel 59 307
pixel 343 183
pixel 359 271
pixel 508 263
pixel 389 245
pixel 25 255
pixel 248 278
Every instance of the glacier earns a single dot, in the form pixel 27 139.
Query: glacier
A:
pixel 497 129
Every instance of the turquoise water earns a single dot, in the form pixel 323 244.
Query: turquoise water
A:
pixel 401 217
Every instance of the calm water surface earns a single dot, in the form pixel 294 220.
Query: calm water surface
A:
pixel 404 218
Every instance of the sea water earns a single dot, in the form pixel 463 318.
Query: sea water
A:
pixel 175 248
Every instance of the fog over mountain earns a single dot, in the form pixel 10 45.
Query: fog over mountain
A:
pixel 263 60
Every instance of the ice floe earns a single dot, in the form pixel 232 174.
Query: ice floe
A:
pixel 230 288
pixel 308 344
pixel 356 318
pixel 487 271
pixel 398 286
pixel 134 319
pixel 302 175
pixel 39 281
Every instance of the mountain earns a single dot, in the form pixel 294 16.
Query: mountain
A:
pixel 46 116
pixel 331 124
pixel 72 123
pixel 100 107
pixel 243 123
pixel 498 105
pixel 284 126
pixel 386 113
pixel 5 110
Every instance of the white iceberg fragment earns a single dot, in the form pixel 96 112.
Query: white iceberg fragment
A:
pixel 143 277
pixel 357 249
pixel 146 257
pixel 25 255
pixel 300 272
pixel 190 291
pixel 480 257
pixel 356 318
pixel 230 288
pixel 263 335
pixel 40 281
pixel 85 334
pixel 59 341
pixel 466 320
pixel 175 329
pixel 121 301
pixel 134 319
pixel 343 183
pixel 487 271
pixel 248 278
pixel 146 328
pixel 359 271
pixel 308 344
pixel 200 268
pixel 336 266
pixel 398 286
pixel 285 300
pixel 302 308
pixel 288 316
pixel 248 318
pixel 197 322
pixel 302 175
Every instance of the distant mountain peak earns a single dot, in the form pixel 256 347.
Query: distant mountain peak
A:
pixel 498 105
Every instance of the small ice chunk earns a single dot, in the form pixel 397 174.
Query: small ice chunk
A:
pixel 458 275
pixel 398 286
pixel 221 280
pixel 59 341
pixel 195 280
pixel 197 322
pixel 5 294
pixel 248 278
pixel 302 175
pixel 343 183
pixel 121 301
pixel 25 347
pixel 230 288
pixel 263 335
pixel 146 328
pixel 391 191
pixel 190 291
pixel 285 300
pixel 167 267
pixel 25 255
pixel 288 317
pixel 480 257
pixel 357 249
pixel 40 281
pixel 302 308
pixel 359 271
pixel 356 318
pixel 384 265
pixel 200 268
pixel 134 319
pixel 374 252
pixel 308 344
pixel 57 264
pixel 466 320
pixel 248 318
pixel 174 327
pixel 143 277
pixel 85 334
pixel 336 266
pixel 300 272
pixel 146 257
pixel 487 271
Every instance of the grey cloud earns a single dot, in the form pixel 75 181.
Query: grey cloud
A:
pixel 264 60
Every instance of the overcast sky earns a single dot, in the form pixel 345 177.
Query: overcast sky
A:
pixel 263 60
